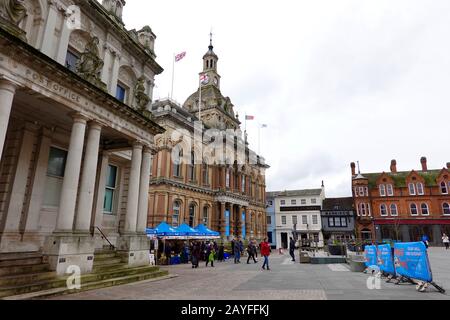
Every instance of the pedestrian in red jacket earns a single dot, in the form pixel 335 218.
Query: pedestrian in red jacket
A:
pixel 265 252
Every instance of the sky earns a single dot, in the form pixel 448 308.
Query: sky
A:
pixel 335 81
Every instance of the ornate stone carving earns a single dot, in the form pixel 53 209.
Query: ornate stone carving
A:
pixel 13 11
pixel 90 65
pixel 141 98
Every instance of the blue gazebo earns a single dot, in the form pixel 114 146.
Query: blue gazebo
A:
pixel 189 232
pixel 208 233
pixel 165 231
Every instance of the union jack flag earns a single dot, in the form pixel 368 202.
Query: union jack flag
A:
pixel 249 117
pixel 180 56
pixel 204 79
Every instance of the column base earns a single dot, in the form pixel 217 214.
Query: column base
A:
pixel 134 249
pixel 14 242
pixel 64 250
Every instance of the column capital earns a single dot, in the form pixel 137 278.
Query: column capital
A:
pixel 148 149
pixel 8 85
pixel 95 125
pixel 78 117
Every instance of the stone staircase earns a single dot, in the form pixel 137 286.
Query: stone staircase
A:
pixel 28 276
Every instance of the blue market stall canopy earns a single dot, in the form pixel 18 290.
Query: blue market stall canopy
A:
pixel 207 232
pixel 164 230
pixel 188 231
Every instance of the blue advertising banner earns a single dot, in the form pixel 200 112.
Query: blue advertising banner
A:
pixel 411 261
pixel 243 226
pixel 227 223
pixel 386 259
pixel 370 256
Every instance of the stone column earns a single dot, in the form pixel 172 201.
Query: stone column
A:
pixel 87 187
pixel 49 30
pixel 7 92
pixel 404 232
pixel 69 189
pixel 239 221
pixel 222 218
pixel 143 191
pixel 39 179
pixel 437 235
pixel 133 189
pixel 101 188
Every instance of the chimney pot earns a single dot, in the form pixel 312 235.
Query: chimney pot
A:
pixel 394 166
pixel 353 166
pixel 423 161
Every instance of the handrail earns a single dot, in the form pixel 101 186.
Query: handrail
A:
pixel 103 236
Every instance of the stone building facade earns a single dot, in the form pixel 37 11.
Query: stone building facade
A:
pixel 76 132
pixel 222 187
pixel 402 205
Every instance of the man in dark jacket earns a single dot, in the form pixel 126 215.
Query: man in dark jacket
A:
pixel 251 253
pixel 292 249
pixel 237 251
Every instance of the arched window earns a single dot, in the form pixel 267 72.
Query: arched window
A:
pixel 205 218
pixel 192 167
pixel 177 164
pixel 420 190
pixel 176 214
pixel 424 209
pixel 192 215
pixel 382 188
pixel 205 171
pixel 412 189
pixel 243 183
pixel 444 189
pixel 363 211
pixel 394 211
pixel 383 210
pixel 413 209
pixel 227 179
pixel 446 208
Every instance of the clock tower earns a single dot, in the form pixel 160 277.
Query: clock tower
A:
pixel 210 66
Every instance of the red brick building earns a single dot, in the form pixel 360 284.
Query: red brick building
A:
pixel 402 205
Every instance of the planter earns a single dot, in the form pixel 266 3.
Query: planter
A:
pixel 356 264
pixel 336 250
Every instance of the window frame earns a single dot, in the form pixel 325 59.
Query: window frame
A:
pixel 304 218
pixel 283 220
pixel 413 207
pixel 420 188
pixel 205 220
pixel 390 190
pixel 58 179
pixel 294 219
pixel 382 190
pixel 293 202
pixel 192 210
pixel 444 208
pixel 427 208
pixel 176 214
pixel 125 90
pixel 412 192
pixel 73 53
pixel 442 186
pixel 383 208
pixel 393 206
pixel 315 218
pixel 113 189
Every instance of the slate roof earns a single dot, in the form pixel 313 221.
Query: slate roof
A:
pixel 399 178
pixel 344 204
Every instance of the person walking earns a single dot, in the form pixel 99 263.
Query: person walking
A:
pixel 168 252
pixel 251 253
pixel 221 255
pixel 265 252
pixel 425 240
pixel 292 249
pixel 196 254
pixel 237 252
pixel 211 255
pixel 446 241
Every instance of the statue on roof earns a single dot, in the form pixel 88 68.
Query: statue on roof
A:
pixel 13 11
pixel 141 98
pixel 90 64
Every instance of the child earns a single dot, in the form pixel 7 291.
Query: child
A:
pixel 211 256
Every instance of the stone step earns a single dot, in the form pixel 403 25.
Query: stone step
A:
pixel 161 275
pixel 104 256
pixel 19 255
pixel 98 276
pixel 23 279
pixel 25 261
pixel 19 270
pixel 88 282
pixel 107 262
pixel 111 267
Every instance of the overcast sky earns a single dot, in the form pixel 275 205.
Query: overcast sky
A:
pixel 335 81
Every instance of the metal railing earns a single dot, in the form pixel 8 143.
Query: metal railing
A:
pixel 103 236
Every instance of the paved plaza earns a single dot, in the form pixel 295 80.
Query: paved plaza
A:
pixel 286 281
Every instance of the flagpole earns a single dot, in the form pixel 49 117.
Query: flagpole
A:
pixel 259 139
pixel 173 75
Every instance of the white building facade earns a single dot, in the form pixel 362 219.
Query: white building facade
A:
pixel 76 136
pixel 298 212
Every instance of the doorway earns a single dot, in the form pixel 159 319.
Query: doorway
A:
pixel 284 240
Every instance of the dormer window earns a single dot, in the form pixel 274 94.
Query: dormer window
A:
pixel 412 189
pixel 382 188
pixel 420 190
pixel 444 188
pixel 390 190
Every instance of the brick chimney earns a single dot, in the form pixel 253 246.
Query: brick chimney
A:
pixel 448 165
pixel 423 161
pixel 353 166
pixel 394 166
